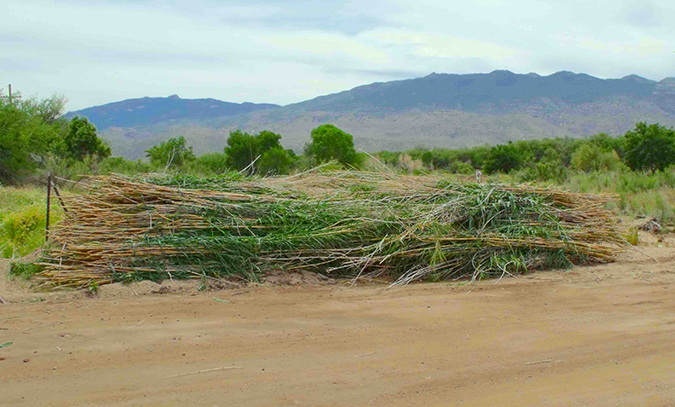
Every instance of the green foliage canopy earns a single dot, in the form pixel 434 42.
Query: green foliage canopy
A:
pixel 243 149
pixel 503 158
pixel 211 163
pixel 81 141
pixel 34 135
pixel 592 157
pixel 331 143
pixel 173 152
pixel 16 138
pixel 30 130
pixel 275 161
pixel 649 147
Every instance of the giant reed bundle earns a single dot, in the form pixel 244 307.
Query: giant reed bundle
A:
pixel 345 224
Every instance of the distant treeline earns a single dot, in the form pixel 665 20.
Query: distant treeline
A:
pixel 646 148
pixel 36 138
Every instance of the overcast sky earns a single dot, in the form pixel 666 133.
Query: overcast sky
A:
pixel 100 51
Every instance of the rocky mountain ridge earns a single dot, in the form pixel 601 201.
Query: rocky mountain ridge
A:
pixel 438 110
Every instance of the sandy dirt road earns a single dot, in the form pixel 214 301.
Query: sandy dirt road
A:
pixel 601 336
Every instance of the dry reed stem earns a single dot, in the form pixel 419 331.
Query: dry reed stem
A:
pixel 108 226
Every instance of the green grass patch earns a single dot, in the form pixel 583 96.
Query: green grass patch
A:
pixel 24 271
pixel 23 218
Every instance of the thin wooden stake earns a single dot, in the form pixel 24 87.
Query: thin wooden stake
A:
pixel 63 205
pixel 49 193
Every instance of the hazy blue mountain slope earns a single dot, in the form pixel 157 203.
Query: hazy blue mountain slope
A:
pixel 438 110
pixel 148 111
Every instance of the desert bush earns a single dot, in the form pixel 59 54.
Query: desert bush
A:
pixel 207 165
pixel 81 140
pixel 119 165
pixel 650 147
pixel 640 193
pixel 503 158
pixel 330 143
pixel 173 152
pixel 548 170
pixel 591 157
pixel 243 149
pixel 275 161
pixel 387 157
pixel 409 164
pixel 22 220
pixel 24 271
pixel 21 232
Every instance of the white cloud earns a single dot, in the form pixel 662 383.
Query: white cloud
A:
pixel 287 51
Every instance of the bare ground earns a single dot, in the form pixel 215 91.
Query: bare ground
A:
pixel 601 336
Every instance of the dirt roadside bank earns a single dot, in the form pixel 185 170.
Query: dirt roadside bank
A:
pixel 601 336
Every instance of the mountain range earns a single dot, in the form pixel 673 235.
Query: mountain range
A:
pixel 438 110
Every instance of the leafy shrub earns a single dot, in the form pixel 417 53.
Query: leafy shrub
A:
pixel 608 143
pixel 275 161
pixel 22 219
pixel 173 152
pixel 389 158
pixel 243 149
pixel 461 167
pixel 650 148
pixel 81 141
pixel 22 232
pixel 503 158
pixel 331 143
pixel 409 164
pixel 591 157
pixel 121 166
pixel 24 271
pixel 209 164
pixel 547 170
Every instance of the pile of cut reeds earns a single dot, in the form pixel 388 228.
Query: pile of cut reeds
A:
pixel 340 224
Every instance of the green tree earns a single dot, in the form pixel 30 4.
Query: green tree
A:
pixel 211 163
pixel 81 141
pixel 173 152
pixel 30 130
pixel 649 147
pixel 35 135
pixel 49 110
pixel 608 143
pixel 331 143
pixel 15 142
pixel 275 161
pixel 243 149
pixel 504 158
pixel 267 140
pixel 592 157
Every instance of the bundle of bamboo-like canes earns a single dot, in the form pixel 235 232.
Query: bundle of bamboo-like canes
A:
pixel 342 224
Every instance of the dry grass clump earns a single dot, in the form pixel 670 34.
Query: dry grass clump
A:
pixel 343 224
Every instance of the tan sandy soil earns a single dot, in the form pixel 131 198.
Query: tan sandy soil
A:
pixel 601 336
